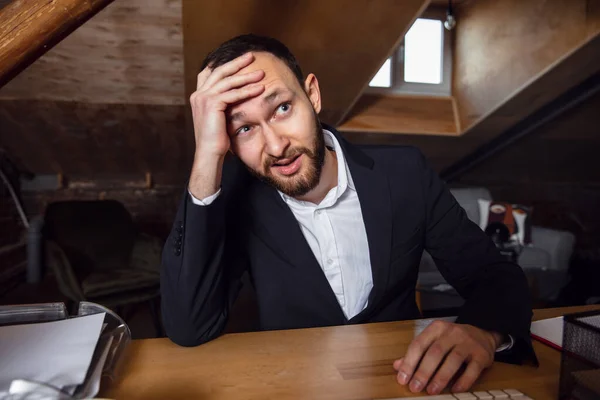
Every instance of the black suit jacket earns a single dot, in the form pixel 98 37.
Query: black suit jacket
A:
pixel 406 209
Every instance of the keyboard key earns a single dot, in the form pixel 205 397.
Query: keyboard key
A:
pixel 465 396
pixel 513 393
pixel 507 394
pixel 498 394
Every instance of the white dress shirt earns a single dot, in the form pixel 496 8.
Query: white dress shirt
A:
pixel 336 234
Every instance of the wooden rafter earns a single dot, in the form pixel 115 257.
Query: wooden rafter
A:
pixel 29 28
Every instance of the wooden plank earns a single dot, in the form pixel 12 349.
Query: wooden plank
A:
pixel 29 28
pixel 402 114
pixel 501 47
pixel 344 45
pixel 338 362
pixel 131 52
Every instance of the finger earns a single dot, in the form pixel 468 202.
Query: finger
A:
pixel 243 93
pixel 202 76
pixel 432 359
pixel 237 81
pixel 451 365
pixel 416 350
pixel 468 378
pixel 397 364
pixel 228 69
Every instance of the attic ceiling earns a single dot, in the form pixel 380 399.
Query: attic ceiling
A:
pixel 110 99
pixel 342 45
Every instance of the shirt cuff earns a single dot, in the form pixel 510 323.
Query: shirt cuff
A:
pixel 205 201
pixel 508 344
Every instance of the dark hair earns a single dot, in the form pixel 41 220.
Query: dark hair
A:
pixel 243 44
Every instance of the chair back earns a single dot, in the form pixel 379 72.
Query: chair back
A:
pixel 95 235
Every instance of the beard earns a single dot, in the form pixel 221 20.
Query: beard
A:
pixel 307 178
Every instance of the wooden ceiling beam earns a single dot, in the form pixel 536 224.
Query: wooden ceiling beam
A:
pixel 29 28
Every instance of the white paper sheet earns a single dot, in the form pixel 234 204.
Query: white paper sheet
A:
pixel 56 353
pixel 549 330
pixel 92 386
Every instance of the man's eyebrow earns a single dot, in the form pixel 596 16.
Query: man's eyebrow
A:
pixel 271 97
pixel 268 99
pixel 236 116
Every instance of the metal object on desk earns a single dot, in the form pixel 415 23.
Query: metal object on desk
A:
pixel 113 340
pixel 580 358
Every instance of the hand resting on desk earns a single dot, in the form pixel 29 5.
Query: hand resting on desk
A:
pixel 438 353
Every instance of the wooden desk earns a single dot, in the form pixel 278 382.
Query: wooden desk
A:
pixel 342 362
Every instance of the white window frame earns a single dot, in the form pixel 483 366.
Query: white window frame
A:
pixel 399 86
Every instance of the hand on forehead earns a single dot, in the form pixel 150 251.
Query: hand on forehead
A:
pixel 274 69
pixel 277 79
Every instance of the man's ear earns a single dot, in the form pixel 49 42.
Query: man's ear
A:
pixel 311 86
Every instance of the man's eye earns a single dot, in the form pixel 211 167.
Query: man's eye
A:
pixel 283 108
pixel 242 130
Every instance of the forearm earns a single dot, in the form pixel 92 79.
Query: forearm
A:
pixel 194 285
pixel 206 175
pixel 497 299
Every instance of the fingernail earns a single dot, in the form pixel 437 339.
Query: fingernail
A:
pixel 403 378
pixel 434 388
pixel 415 385
pixel 457 389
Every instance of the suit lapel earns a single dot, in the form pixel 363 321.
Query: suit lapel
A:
pixel 277 226
pixel 373 191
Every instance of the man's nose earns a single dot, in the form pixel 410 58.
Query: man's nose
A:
pixel 276 144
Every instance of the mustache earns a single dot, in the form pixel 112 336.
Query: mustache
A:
pixel 289 153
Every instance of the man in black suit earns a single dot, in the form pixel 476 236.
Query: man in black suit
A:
pixel 329 233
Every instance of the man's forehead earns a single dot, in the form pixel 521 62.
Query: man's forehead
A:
pixel 278 80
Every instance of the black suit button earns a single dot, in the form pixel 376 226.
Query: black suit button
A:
pixel 179 230
pixel 177 250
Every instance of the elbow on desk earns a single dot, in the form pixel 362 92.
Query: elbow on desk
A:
pixel 191 336
pixel 186 329
pixel 188 339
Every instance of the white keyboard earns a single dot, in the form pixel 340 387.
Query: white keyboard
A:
pixel 505 394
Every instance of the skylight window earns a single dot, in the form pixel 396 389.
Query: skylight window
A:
pixel 421 64
pixel 383 78
pixel 423 50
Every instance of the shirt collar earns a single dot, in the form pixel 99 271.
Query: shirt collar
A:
pixel 344 178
